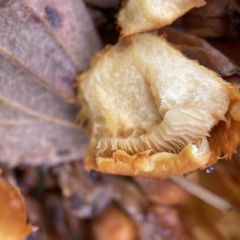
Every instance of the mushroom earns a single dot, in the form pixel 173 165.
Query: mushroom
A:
pixel 151 112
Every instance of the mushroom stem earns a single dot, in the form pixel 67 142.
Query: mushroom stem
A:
pixel 203 194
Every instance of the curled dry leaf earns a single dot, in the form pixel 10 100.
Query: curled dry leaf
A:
pixel 215 19
pixel 98 17
pixel 198 49
pixel 89 194
pixel 151 116
pixel 152 14
pixel 228 47
pixel 41 50
pixel 45 205
pixel 60 223
pixel 103 3
pixel 13 218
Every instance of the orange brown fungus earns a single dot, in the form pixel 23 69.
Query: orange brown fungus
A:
pixel 226 136
pixel 13 217
pixel 151 112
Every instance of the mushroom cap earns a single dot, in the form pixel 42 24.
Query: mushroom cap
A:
pixel 152 14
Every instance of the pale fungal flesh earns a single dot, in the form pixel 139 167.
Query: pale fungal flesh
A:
pixel 143 15
pixel 151 111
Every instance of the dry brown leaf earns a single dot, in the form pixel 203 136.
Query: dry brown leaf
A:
pixel 36 125
pixel 89 194
pixel 143 15
pixel 71 25
pixel 46 207
pixel 29 42
pixel 227 47
pixel 60 223
pixel 98 17
pixel 103 3
pixel 198 49
pixel 152 121
pixel 13 218
pixel 218 18
pixel 41 52
pixel 210 21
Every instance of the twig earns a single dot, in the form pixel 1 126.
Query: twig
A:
pixel 203 194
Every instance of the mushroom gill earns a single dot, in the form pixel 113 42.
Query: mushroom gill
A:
pixel 151 111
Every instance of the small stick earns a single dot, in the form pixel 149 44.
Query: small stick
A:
pixel 203 194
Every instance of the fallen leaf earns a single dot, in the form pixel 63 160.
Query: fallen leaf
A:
pixel 103 3
pixel 218 18
pixel 72 26
pixel 198 49
pixel 42 47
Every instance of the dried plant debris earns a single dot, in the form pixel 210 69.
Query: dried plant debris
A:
pixel 200 221
pixel 215 19
pixel 160 223
pixel 13 218
pixel 64 203
pixel 151 116
pixel 46 207
pixel 143 15
pixel 98 17
pixel 100 197
pixel 88 194
pixel 103 3
pixel 151 110
pixel 56 215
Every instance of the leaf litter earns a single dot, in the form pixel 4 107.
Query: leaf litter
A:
pixel 42 48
